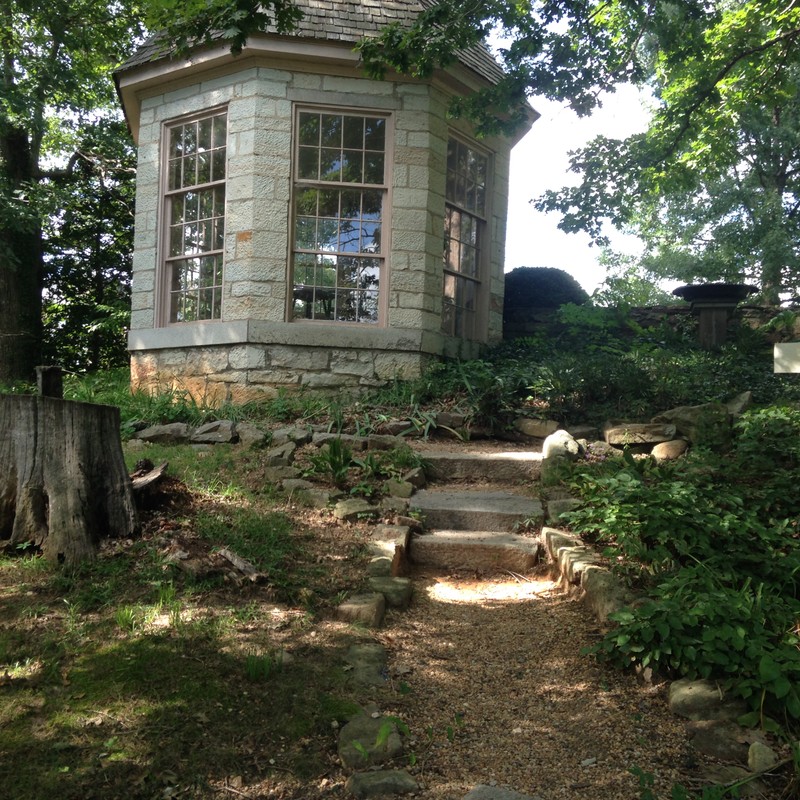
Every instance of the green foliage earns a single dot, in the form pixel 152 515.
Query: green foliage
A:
pixel 705 541
pixel 541 287
pixel 88 252
pixel 334 459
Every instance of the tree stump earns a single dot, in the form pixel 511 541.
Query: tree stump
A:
pixel 63 482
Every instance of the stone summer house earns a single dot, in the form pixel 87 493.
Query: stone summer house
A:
pixel 299 225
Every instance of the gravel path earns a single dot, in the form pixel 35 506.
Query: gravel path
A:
pixel 494 688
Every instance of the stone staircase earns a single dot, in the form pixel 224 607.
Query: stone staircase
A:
pixel 475 527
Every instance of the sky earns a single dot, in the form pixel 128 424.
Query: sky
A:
pixel 540 162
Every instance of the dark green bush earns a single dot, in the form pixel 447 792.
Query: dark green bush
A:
pixel 541 287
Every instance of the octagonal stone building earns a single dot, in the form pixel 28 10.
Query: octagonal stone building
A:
pixel 300 225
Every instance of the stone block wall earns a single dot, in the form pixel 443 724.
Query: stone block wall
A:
pixel 260 98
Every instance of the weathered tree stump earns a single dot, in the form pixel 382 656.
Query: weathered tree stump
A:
pixel 63 482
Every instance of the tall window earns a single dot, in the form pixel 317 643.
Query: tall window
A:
pixel 464 230
pixel 195 214
pixel 339 192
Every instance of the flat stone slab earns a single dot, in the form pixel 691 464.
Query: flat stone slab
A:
pixel 476 511
pixel 478 550
pixel 511 467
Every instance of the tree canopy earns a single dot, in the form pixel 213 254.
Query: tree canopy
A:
pixel 711 185
pixel 56 85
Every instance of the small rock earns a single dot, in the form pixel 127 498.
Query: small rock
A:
pixel 363 742
pixel 250 435
pixel 396 591
pixel 702 700
pixel 173 433
pixel 719 739
pixel 416 477
pixel 630 433
pixel 536 428
pixel 278 474
pixel 281 456
pixel 397 488
pixel 218 432
pixel 379 567
pixel 561 445
pixel 353 509
pixel 761 758
pixel 367 609
pixel 299 436
pixel 382 783
pixel 669 451
pixel 494 792
pixel 368 662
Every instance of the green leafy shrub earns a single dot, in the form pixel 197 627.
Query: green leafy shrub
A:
pixel 718 566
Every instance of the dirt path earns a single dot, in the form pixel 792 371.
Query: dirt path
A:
pixel 493 687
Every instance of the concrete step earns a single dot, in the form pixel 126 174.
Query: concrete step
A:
pixel 501 467
pixel 476 510
pixel 485 551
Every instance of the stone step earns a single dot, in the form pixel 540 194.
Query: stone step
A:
pixel 505 467
pixel 476 510
pixel 485 551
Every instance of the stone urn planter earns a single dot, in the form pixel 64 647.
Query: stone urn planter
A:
pixel 714 303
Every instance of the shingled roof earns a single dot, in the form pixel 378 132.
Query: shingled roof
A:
pixel 347 21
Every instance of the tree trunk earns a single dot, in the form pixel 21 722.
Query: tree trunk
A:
pixel 63 482
pixel 21 263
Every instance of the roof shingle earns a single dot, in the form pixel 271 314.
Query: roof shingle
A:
pixel 347 21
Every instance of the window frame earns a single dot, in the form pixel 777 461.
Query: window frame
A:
pixel 166 259
pixel 300 184
pixel 453 320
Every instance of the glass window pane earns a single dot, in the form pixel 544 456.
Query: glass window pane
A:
pixel 190 138
pixel 330 165
pixel 331 130
pixel 204 167
pixel 327 235
pixel 176 141
pixel 174 171
pixel 369 276
pixel 308 163
pixel 329 203
pixel 368 307
pixel 373 168
pixel 308 133
pixel 305 233
pixel 372 203
pixel 204 134
pixel 349 237
pixel 375 133
pixel 353 136
pixel 347 306
pixel 220 130
pixel 351 204
pixel 176 240
pixel 347 273
pixel 218 164
pixel 371 237
pixel 352 166
pixel 306 202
